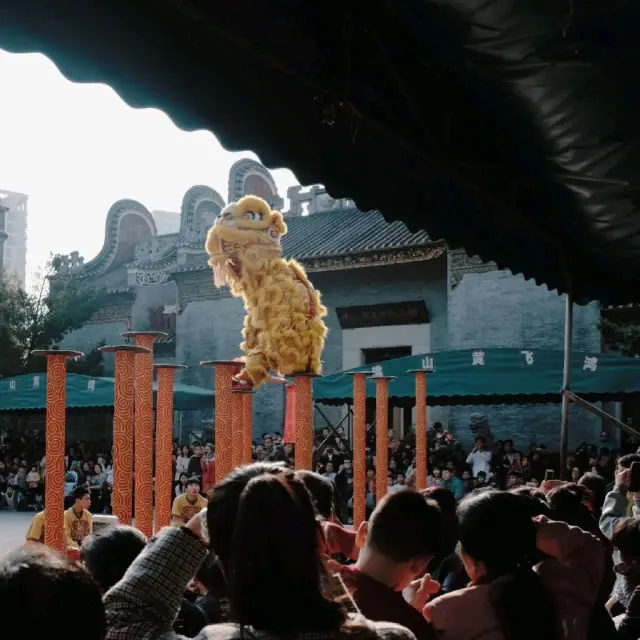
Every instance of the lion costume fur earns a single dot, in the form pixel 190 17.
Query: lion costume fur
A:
pixel 283 327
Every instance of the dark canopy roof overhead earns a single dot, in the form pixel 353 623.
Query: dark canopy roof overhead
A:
pixel 508 128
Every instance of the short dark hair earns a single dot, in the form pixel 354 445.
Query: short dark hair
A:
pixel 79 492
pixel 40 584
pixel 321 490
pixel 194 480
pixel 405 526
pixel 626 537
pixel 107 557
pixel 625 462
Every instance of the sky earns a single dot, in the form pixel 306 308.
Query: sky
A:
pixel 75 149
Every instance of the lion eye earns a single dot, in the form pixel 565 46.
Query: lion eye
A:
pixel 253 215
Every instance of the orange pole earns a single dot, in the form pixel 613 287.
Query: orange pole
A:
pixel 224 372
pixel 304 421
pixel 55 443
pixel 359 447
pixel 143 475
pixel 382 435
pixel 123 418
pixel 421 430
pixel 164 444
pixel 237 435
pixel 247 427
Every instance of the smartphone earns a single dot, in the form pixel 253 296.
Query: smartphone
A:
pixel 549 474
pixel 634 480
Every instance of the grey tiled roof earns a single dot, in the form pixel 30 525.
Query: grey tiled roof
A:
pixel 333 233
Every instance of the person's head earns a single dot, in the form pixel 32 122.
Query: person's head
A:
pixel 482 477
pixel 183 479
pixel 208 449
pixel 346 464
pixel 597 487
pixel 34 468
pixel 97 469
pixel 404 533
pixel 448 508
pixel 37 586
pixel 567 505
pixel 481 443
pixel 108 556
pixel 325 433
pixel 185 451
pixel 626 539
pixel 400 479
pixel 625 462
pixel 81 498
pixel 197 450
pixel 288 449
pixel 329 467
pixel 393 465
pixel 85 467
pixel 193 487
pixel 508 446
pixel 498 540
pixel 514 479
pixel 275 558
pixel 437 427
pixel 268 443
pixel 371 473
pixel 437 472
pixel 223 507
pixel 446 474
pixel 466 474
pixel 321 490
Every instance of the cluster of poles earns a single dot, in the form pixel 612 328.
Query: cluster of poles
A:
pixel 133 433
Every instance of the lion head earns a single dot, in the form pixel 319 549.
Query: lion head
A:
pixel 245 232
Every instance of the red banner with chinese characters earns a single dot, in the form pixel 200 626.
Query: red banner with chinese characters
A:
pixel 290 415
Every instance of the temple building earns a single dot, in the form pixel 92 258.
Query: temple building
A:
pixel 390 292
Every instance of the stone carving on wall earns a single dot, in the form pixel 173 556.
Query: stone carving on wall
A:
pixel 461 264
pixel 151 278
pixel 374 259
pixel 317 199
pixel 153 249
pixel 198 201
pixel 111 313
pixel 243 169
pixel 200 289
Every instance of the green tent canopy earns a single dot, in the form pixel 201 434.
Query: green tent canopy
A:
pixel 493 376
pixel 29 393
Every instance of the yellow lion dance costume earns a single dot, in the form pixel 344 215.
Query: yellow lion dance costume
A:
pixel 283 328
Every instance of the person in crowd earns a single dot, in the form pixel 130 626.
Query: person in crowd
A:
pixel 37 589
pixel 400 483
pixel 614 512
pixel 181 487
pixel 626 540
pixel 446 568
pixel 337 540
pixel 452 483
pixel 35 533
pixel 513 595
pixel 404 533
pixel 182 462
pixel 209 473
pixel 186 505
pixel 261 525
pixel 78 522
pixel 480 457
pixel 596 487
pixel 107 557
pixel 435 477
pixel 196 463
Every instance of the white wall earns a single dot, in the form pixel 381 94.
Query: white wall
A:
pixel 416 336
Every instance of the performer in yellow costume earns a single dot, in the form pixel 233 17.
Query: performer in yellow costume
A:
pixel 283 327
pixel 36 529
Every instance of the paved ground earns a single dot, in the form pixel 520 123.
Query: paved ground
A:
pixel 13 527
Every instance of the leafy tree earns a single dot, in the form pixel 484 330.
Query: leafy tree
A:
pixel 623 338
pixel 91 364
pixel 40 319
